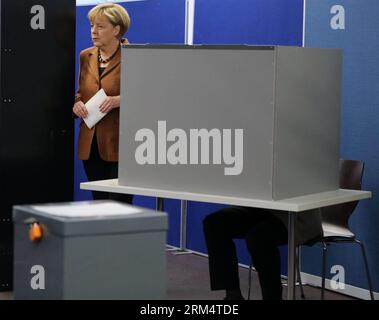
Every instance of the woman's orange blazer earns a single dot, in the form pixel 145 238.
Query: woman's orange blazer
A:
pixel 107 129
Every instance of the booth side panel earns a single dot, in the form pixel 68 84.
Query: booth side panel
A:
pixel 307 121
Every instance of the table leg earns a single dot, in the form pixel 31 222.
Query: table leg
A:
pixel 183 230
pixel 159 204
pixel 291 255
pixel 183 225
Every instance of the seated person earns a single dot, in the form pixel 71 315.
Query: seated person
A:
pixel 263 230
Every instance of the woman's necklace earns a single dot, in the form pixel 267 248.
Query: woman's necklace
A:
pixel 101 60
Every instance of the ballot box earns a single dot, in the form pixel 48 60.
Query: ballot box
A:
pixel 89 250
pixel 259 122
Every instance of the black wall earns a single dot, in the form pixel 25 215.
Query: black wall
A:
pixel 36 125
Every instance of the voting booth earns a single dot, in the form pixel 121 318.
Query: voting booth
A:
pixel 89 250
pixel 261 122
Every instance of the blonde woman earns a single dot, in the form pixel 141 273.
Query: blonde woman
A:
pixel 100 69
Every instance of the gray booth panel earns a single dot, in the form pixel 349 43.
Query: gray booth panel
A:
pixel 307 121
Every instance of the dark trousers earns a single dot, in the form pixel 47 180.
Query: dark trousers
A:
pixel 98 169
pixel 263 233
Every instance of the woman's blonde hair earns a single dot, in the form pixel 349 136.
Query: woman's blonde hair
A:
pixel 116 14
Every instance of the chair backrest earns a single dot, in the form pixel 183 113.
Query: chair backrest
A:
pixel 351 173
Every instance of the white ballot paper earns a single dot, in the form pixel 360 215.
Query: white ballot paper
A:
pixel 86 209
pixel 93 105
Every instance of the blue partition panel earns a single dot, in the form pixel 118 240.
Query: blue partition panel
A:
pixel 353 26
pixel 260 22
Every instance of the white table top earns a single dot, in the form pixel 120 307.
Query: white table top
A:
pixel 297 204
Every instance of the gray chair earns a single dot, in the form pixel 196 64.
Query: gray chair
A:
pixel 335 221
pixel 335 224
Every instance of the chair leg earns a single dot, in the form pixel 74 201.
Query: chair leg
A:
pixel 324 252
pixel 249 289
pixel 299 273
pixel 366 267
